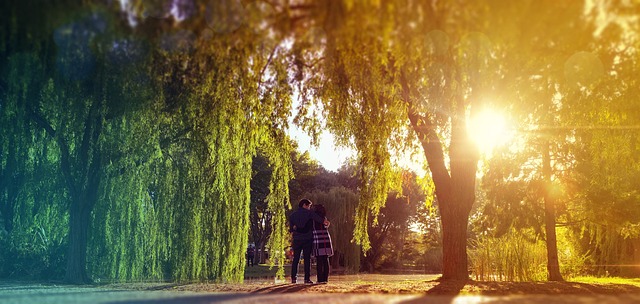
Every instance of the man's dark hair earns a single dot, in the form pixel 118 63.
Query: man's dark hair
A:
pixel 303 202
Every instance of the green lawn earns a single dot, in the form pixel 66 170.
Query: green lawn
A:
pixel 262 271
pixel 606 280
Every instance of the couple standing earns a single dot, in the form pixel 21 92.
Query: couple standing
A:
pixel 309 228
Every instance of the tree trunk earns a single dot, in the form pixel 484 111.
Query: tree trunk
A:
pixel 10 183
pixel 454 186
pixel 77 250
pixel 455 193
pixel 553 266
pixel 82 186
pixel 454 246
pixel 260 253
pixel 635 271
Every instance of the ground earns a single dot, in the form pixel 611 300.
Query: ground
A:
pixel 260 279
pixel 409 284
pixel 261 287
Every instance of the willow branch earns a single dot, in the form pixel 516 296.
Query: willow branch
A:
pixel 65 163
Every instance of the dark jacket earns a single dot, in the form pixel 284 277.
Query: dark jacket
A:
pixel 303 220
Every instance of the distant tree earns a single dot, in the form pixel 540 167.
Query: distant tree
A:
pixel 389 235
pixel 557 109
pixel 259 214
pixel 601 182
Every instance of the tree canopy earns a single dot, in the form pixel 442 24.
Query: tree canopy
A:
pixel 131 130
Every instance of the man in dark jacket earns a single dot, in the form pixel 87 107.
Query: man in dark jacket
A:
pixel 301 225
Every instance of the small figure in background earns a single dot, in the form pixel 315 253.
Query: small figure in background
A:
pixel 251 251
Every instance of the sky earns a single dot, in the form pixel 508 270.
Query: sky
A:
pixel 332 157
pixel 327 154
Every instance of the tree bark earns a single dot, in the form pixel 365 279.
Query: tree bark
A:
pixel 454 246
pixel 456 206
pixel 454 187
pixel 455 193
pixel 77 247
pixel 553 266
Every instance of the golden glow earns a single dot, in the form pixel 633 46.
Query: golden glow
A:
pixel 488 129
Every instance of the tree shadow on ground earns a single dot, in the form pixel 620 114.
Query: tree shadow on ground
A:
pixel 446 287
pixel 520 288
pixel 548 288
pixel 444 292
pixel 283 288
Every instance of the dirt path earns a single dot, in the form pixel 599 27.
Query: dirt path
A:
pixel 342 289
pixel 35 293
pixel 406 284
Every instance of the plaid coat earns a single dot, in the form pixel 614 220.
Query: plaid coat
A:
pixel 321 241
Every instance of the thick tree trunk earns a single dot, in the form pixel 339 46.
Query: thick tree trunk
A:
pixel 82 205
pixel 455 193
pixel 454 212
pixel 454 246
pixel 553 266
pixel 77 250
pixel 454 187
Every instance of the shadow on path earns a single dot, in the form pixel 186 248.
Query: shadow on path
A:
pixel 443 293
pixel 549 288
pixel 186 299
pixel 447 292
pixel 448 287
pixel 282 288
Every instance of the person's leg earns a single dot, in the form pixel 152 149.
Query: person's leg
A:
pixel 321 266
pixel 306 252
pixel 325 278
pixel 297 248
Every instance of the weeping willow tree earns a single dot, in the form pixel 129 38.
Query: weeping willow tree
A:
pixel 151 125
pixel 224 88
pixel 395 73
pixel 391 73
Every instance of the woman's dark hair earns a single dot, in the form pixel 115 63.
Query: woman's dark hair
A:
pixel 303 202
pixel 320 210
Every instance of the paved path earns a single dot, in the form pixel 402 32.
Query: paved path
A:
pixel 45 294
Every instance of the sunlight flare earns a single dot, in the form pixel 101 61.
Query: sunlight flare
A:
pixel 488 129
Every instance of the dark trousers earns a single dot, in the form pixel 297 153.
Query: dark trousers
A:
pixel 250 260
pixel 323 268
pixel 305 247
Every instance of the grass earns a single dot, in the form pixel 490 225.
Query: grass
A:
pixel 606 280
pixel 262 271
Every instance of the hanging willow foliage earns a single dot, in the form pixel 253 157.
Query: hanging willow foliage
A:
pixel 174 115
pixel 278 200
pixel 354 84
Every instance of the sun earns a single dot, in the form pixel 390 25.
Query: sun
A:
pixel 488 129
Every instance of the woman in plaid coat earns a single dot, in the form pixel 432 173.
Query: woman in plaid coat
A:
pixel 322 248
